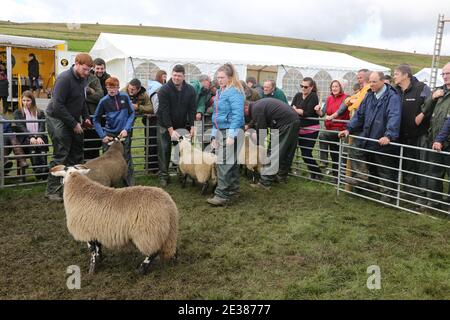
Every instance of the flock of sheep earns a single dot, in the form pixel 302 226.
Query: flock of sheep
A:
pixel 99 214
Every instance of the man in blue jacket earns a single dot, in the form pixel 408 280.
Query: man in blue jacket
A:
pixel 378 118
pixel 119 112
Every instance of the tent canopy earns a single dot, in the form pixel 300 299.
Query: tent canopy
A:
pixel 16 41
pixel 119 46
pixel 425 74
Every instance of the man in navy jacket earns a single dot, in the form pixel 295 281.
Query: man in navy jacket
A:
pixel 378 118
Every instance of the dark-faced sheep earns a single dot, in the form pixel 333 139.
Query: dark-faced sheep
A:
pixel 144 216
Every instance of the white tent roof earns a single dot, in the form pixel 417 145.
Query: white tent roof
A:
pixel 16 41
pixel 118 46
pixel 425 74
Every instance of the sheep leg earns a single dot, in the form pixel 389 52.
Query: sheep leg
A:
pixel 95 248
pixel 183 181
pixel 204 188
pixel 143 267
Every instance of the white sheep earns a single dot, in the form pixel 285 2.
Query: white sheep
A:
pixel 252 156
pixel 144 216
pixel 199 165
pixel 110 168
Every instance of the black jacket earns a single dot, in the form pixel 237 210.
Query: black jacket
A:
pixel 176 108
pixel 271 113
pixel 412 100
pixel 68 103
pixel 307 105
pixel 33 68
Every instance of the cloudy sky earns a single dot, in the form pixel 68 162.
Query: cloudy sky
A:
pixel 403 25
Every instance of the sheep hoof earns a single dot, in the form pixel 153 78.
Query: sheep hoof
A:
pixel 93 266
pixel 143 269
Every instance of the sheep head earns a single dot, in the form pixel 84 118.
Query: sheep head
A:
pixel 66 172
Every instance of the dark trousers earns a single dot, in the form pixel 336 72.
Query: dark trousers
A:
pixel 331 147
pixel 96 144
pixel 227 166
pixel 383 166
pixel 306 148
pixel 67 150
pixel 164 151
pixel 281 155
pixel 34 84
pixel 411 179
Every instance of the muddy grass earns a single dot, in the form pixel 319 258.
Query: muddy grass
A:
pixel 298 241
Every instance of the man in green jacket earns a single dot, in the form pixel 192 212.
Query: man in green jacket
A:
pixel 143 106
pixel 438 108
pixel 271 91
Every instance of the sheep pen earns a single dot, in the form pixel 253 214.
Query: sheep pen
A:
pixel 144 216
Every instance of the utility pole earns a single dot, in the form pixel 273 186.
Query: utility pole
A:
pixel 437 50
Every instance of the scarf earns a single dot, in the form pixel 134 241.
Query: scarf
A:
pixel 32 127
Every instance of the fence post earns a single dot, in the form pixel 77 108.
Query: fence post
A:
pixel 399 180
pixel 146 141
pixel 2 157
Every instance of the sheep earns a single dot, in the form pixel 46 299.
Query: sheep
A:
pixel 199 165
pixel 144 216
pixel 252 156
pixel 110 168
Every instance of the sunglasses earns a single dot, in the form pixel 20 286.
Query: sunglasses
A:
pixel 304 87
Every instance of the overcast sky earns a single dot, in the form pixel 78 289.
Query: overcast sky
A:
pixel 405 25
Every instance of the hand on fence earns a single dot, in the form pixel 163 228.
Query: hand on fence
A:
pixel 343 134
pixel 329 118
pixel 384 141
pixel 437 146
pixel 87 123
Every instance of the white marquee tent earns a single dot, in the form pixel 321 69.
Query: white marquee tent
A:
pixel 425 74
pixel 129 56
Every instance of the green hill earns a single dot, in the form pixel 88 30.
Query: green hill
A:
pixel 83 38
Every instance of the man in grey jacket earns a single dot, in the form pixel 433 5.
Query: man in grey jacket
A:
pixel 65 114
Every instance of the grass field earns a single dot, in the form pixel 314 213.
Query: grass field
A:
pixel 300 241
pixel 83 39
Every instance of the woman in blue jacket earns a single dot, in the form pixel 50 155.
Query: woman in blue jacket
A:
pixel 228 120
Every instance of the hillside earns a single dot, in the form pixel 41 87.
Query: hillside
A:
pixel 83 38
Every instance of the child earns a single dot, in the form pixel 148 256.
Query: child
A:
pixel 119 113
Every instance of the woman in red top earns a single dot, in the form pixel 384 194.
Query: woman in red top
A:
pixel 329 140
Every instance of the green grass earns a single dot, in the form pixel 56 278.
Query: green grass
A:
pixel 83 39
pixel 300 241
